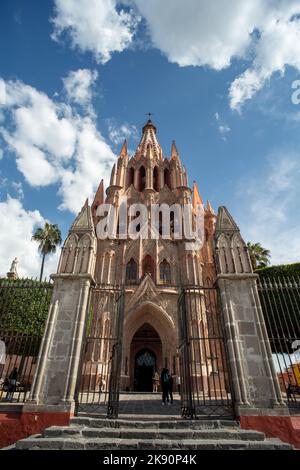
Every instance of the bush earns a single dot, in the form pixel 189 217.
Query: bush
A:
pixel 24 305
pixel 285 270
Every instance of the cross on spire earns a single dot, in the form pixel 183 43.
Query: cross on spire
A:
pixel 149 114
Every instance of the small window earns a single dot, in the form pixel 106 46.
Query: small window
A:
pixel 131 272
pixel 165 272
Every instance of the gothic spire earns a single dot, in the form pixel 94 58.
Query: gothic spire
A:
pixel 149 141
pixel 197 199
pixel 99 196
pixel 209 208
pixel 174 151
pixel 124 152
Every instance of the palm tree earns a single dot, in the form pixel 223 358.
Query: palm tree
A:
pixel 48 238
pixel 259 256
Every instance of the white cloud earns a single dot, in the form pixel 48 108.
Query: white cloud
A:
pixel 2 92
pixel 18 188
pixel 212 33
pixel 17 228
pixel 119 132
pixel 94 160
pixel 54 143
pixel 268 211
pixel 95 26
pixel 201 32
pixel 223 128
pixel 78 85
pixel 278 46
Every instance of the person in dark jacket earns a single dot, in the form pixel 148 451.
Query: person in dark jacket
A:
pixel 12 384
pixel 170 388
pixel 164 382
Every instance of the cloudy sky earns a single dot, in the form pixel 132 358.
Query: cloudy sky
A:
pixel 78 76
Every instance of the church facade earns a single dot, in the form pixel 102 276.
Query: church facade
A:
pixel 152 269
pixel 124 307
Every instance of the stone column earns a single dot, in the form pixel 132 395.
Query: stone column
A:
pixel 58 363
pixel 254 380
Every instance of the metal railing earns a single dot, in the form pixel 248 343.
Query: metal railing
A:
pixel 99 375
pixel 280 300
pixel 205 379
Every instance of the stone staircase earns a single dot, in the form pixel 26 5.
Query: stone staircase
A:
pixel 91 433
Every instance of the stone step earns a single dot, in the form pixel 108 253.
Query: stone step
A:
pixel 45 443
pixel 153 424
pixel 168 434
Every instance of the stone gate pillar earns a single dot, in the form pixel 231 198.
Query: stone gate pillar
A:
pixel 56 373
pixel 254 380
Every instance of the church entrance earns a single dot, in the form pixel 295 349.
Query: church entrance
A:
pixel 145 366
pixel 145 358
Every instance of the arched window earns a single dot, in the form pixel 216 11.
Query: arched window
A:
pixel 131 271
pixel 142 179
pixel 130 177
pixel 165 272
pixel 167 178
pixel 155 179
pixel 149 266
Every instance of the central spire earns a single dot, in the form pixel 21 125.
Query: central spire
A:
pixel 149 146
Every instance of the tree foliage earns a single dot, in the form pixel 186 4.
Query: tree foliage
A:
pixel 24 305
pixel 48 239
pixel 259 256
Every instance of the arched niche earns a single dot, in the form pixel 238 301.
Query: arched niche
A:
pixel 148 267
pixel 167 177
pixel 142 179
pixel 155 179
pixel 130 177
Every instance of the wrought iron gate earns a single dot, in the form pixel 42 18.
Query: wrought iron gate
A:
pixel 205 379
pixel 99 379
pixel 280 300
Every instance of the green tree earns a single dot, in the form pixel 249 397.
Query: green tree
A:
pixel 48 238
pixel 260 256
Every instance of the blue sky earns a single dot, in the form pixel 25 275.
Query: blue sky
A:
pixel 78 76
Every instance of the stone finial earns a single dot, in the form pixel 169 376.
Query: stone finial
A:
pixel 12 273
pixel 225 222
pixel 84 220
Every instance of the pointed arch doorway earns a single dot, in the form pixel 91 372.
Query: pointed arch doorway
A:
pixel 146 358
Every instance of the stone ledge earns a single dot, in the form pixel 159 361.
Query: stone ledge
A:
pixel 237 276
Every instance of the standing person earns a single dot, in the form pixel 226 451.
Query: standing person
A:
pixel 155 381
pixel 164 381
pixel 170 388
pixel 12 383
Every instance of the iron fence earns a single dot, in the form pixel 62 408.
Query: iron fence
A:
pixel 99 377
pixel 205 379
pixel 24 305
pixel 280 300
